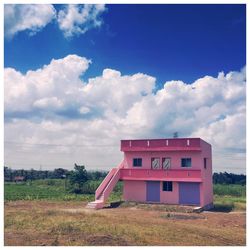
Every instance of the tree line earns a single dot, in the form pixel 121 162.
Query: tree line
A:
pixel 58 173
pixel 229 178
pixel 80 172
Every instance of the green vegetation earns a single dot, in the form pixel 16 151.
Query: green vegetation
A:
pixel 229 178
pixel 38 190
pixel 232 190
pixel 229 203
pixel 53 189
pixel 77 179
pixel 229 197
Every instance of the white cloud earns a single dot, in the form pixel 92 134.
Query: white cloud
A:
pixel 84 110
pixel 52 102
pixel 30 17
pixel 113 106
pixel 226 132
pixel 73 19
pixel 76 19
pixel 55 85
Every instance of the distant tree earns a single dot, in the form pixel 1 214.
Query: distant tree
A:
pixel 46 174
pixel 32 175
pixel 8 176
pixel 96 175
pixel 77 178
pixel 59 173
pixel 26 174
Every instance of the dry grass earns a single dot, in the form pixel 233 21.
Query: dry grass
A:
pixel 69 223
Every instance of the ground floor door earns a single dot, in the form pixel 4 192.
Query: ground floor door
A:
pixel 189 193
pixel 153 191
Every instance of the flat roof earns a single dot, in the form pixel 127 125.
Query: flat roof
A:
pixel 167 144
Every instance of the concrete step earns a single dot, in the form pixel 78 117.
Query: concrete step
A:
pixel 91 206
pixel 97 204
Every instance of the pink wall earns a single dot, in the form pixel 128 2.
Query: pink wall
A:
pixel 175 159
pixel 207 185
pixel 170 197
pixel 134 191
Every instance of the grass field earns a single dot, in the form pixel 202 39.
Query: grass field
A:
pixel 45 213
pixel 229 197
pixel 52 189
pixel 68 223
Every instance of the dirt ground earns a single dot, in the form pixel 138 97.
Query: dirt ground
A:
pixel 42 223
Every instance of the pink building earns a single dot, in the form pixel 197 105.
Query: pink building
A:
pixel 170 171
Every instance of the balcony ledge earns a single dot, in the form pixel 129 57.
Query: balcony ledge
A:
pixel 166 178
pixel 187 175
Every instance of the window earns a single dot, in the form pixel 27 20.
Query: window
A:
pixel 205 163
pixel 155 163
pixel 167 186
pixel 137 162
pixel 186 162
pixel 166 163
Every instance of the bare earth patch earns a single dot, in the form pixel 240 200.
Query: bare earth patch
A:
pixel 42 223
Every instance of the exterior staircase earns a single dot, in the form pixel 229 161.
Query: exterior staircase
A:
pixel 106 187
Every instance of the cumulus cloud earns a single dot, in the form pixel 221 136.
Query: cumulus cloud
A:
pixel 53 85
pixel 187 107
pixel 73 19
pixel 52 105
pixel 76 19
pixel 29 17
pixel 53 102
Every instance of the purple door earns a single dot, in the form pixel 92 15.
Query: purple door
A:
pixel 189 193
pixel 153 191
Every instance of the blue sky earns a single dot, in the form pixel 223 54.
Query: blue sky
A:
pixel 180 42
pixel 79 78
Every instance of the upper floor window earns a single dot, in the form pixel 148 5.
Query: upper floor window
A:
pixel 186 162
pixel 205 163
pixel 155 163
pixel 166 163
pixel 137 162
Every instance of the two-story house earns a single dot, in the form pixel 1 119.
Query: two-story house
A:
pixel 171 171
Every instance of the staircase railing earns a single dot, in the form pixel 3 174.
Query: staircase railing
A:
pixel 104 183
pixel 108 189
pixel 109 182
